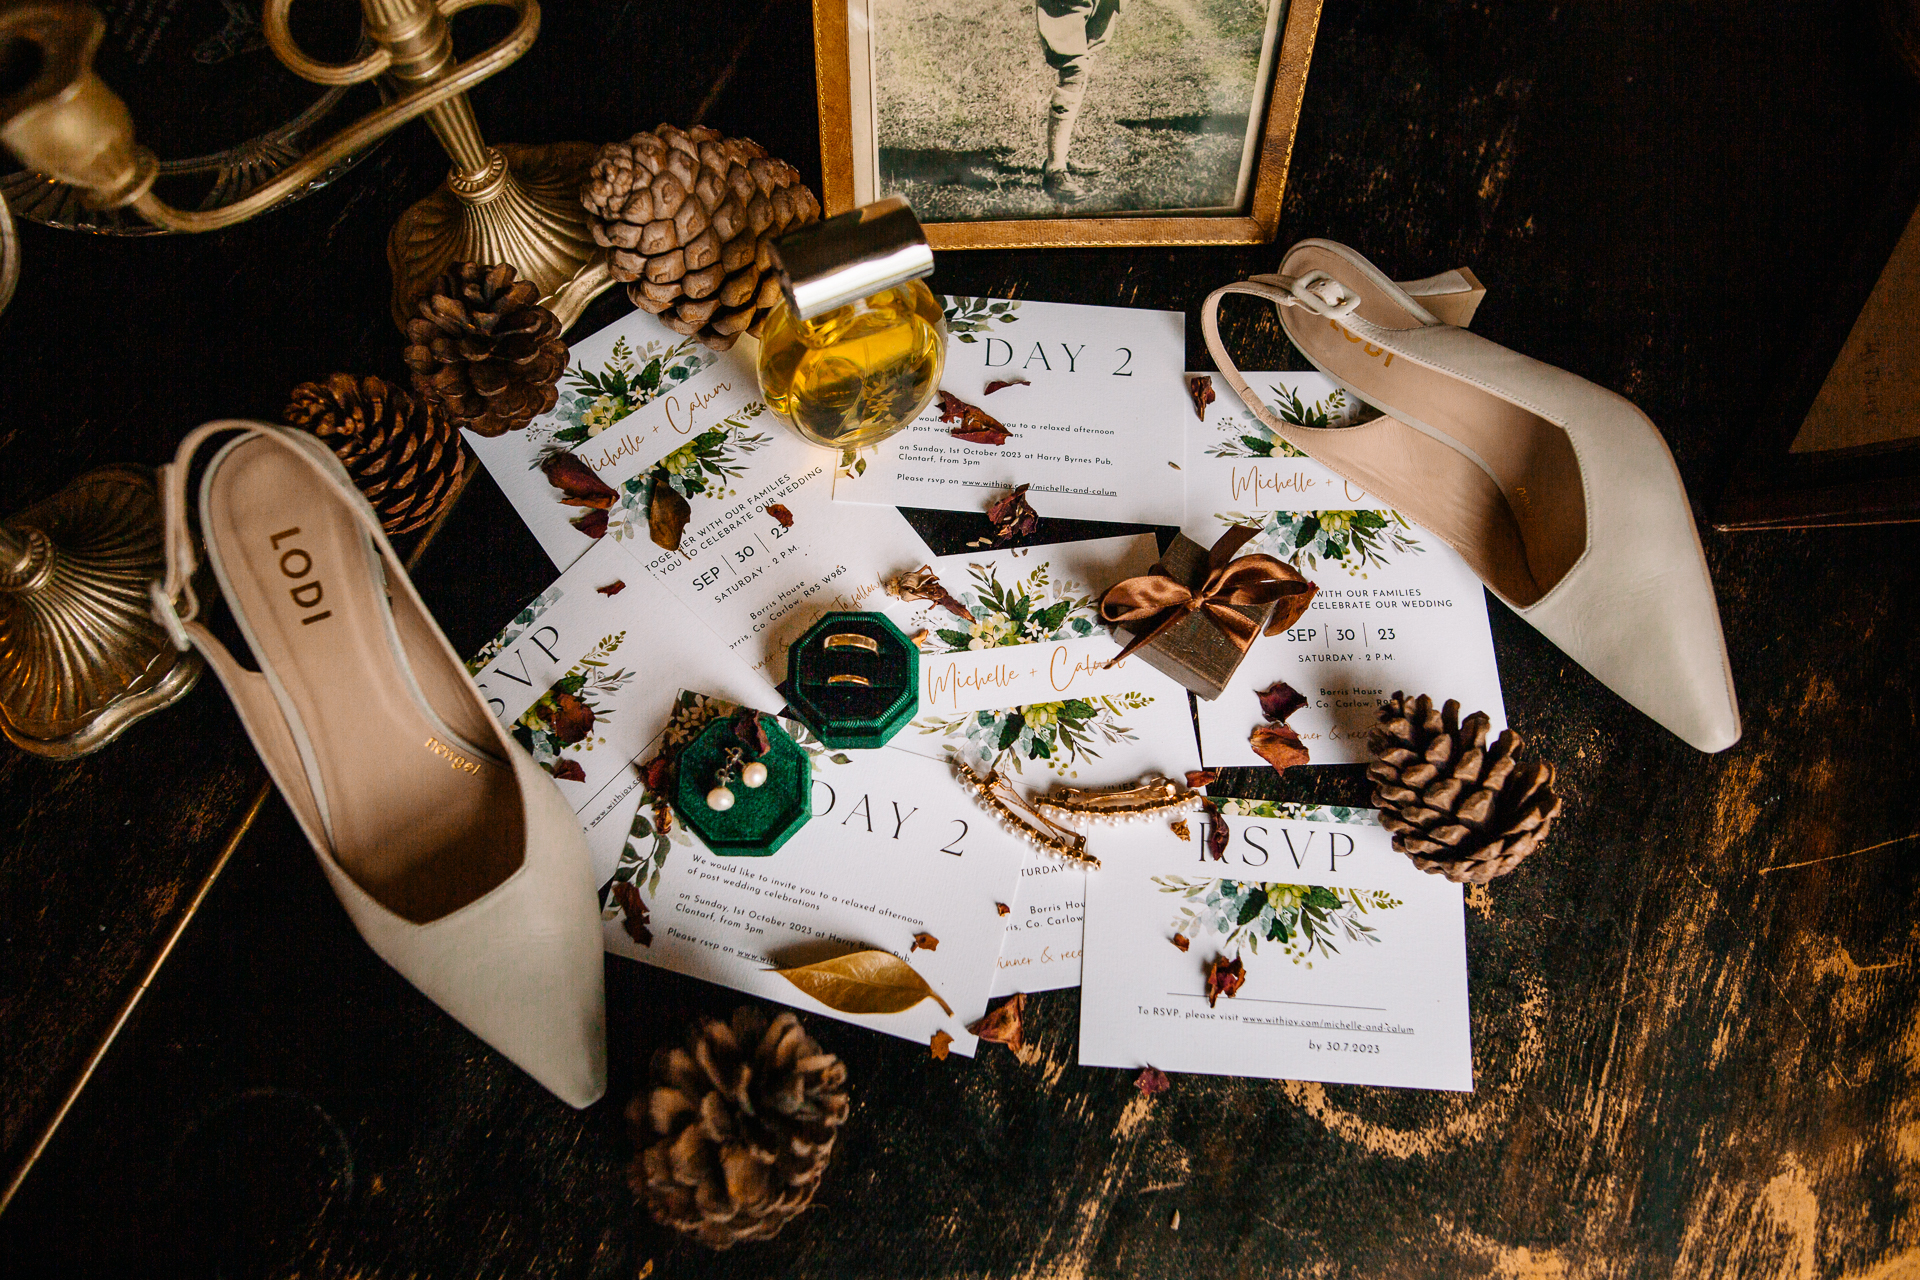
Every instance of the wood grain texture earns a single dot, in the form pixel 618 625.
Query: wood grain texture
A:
pixel 1697 1037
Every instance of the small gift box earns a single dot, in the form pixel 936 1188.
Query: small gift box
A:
pixel 1194 615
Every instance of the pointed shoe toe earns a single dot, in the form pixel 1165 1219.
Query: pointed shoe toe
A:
pixel 1561 495
pixel 453 853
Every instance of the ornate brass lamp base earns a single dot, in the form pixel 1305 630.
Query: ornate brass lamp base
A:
pixel 524 209
pixel 80 657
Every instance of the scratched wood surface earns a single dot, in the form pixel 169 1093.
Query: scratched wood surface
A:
pixel 1697 1038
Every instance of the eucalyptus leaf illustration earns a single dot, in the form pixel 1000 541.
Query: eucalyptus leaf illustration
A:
pixel 864 982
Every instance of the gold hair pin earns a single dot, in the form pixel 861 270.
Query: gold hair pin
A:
pixel 849 640
pixel 1154 798
pixel 1016 815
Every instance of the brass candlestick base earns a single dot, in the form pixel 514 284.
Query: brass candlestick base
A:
pixel 80 657
pixel 524 208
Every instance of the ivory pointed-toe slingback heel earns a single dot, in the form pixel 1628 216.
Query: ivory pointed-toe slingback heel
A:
pixel 1561 495
pixel 453 853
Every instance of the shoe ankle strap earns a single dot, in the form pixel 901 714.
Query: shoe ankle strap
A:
pixel 168 596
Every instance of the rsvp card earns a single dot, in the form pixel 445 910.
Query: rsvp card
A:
pixel 1092 392
pixel 1353 963
pixel 1397 610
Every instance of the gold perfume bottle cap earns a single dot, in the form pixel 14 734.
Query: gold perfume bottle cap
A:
pixel 850 256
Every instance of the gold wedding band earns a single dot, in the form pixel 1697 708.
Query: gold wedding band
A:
pixel 849 640
pixel 859 680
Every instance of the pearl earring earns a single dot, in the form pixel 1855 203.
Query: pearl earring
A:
pixel 720 799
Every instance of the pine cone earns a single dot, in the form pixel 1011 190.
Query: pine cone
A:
pixel 485 349
pixel 1457 807
pixel 740 1125
pixel 401 451
pixel 690 219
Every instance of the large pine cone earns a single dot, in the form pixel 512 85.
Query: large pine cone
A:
pixel 740 1125
pixel 485 349
pixel 401 451
pixel 1456 806
pixel 689 218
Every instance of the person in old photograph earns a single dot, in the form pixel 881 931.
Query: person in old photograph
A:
pixel 1012 109
pixel 1072 32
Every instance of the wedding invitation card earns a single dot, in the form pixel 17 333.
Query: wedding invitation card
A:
pixel 1346 964
pixel 1397 609
pixel 1020 681
pixel 1083 396
pixel 764 550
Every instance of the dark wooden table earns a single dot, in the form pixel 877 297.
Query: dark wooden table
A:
pixel 1696 1030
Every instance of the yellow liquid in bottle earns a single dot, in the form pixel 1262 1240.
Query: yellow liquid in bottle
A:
pixel 857 374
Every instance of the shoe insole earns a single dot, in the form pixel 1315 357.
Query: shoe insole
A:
pixel 1514 493
pixel 418 816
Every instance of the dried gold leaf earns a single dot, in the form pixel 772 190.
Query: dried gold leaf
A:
pixel 864 982
pixel 1181 829
pixel 941 1042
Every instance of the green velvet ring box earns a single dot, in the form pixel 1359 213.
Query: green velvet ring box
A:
pixel 762 818
pixel 855 679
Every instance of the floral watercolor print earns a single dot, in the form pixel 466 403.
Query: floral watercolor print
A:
pixel 1306 920
pixel 1030 611
pixel 566 717
pixel 590 401
pixel 1234 807
pixel 1060 735
pixel 1353 540
pixel 704 467
pixel 968 318
pixel 1252 438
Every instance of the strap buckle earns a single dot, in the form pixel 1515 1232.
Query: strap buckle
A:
pixel 1320 293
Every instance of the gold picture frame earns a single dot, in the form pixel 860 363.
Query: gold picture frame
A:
pixel 843 137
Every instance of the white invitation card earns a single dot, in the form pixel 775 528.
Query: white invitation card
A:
pixel 1397 610
pixel 1352 964
pixel 895 858
pixel 1085 417
pixel 764 551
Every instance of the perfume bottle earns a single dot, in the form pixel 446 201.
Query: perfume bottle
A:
pixel 853 350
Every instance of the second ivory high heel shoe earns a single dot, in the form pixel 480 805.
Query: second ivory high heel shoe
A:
pixel 455 857
pixel 1561 495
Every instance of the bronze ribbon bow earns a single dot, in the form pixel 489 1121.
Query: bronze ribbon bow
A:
pixel 1247 581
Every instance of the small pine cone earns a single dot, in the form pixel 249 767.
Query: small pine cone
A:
pixel 485 349
pixel 1456 806
pixel 690 218
pixel 401 451
pixel 736 1132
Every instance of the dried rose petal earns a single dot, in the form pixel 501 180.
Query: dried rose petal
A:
pixel 1002 907
pixel 1013 516
pixel 1197 778
pixel 567 770
pixel 924 942
pixel 940 1044
pixel 1200 387
pixel 749 726
pixel 1001 384
pixel 1278 745
pixel 667 514
pixel 1217 833
pixel 779 512
pixel 613 588
pixel 633 910
pixel 1224 978
pixel 1280 700
pixel 1152 1081
pixel 976 425
pixel 921 584
pixel 572 719
pixel 1002 1025
pixel 593 524
pixel 576 480
pixel 657 774
pixel 1181 941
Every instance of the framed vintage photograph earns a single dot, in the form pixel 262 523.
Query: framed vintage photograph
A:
pixel 1033 123
pixel 1841 442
